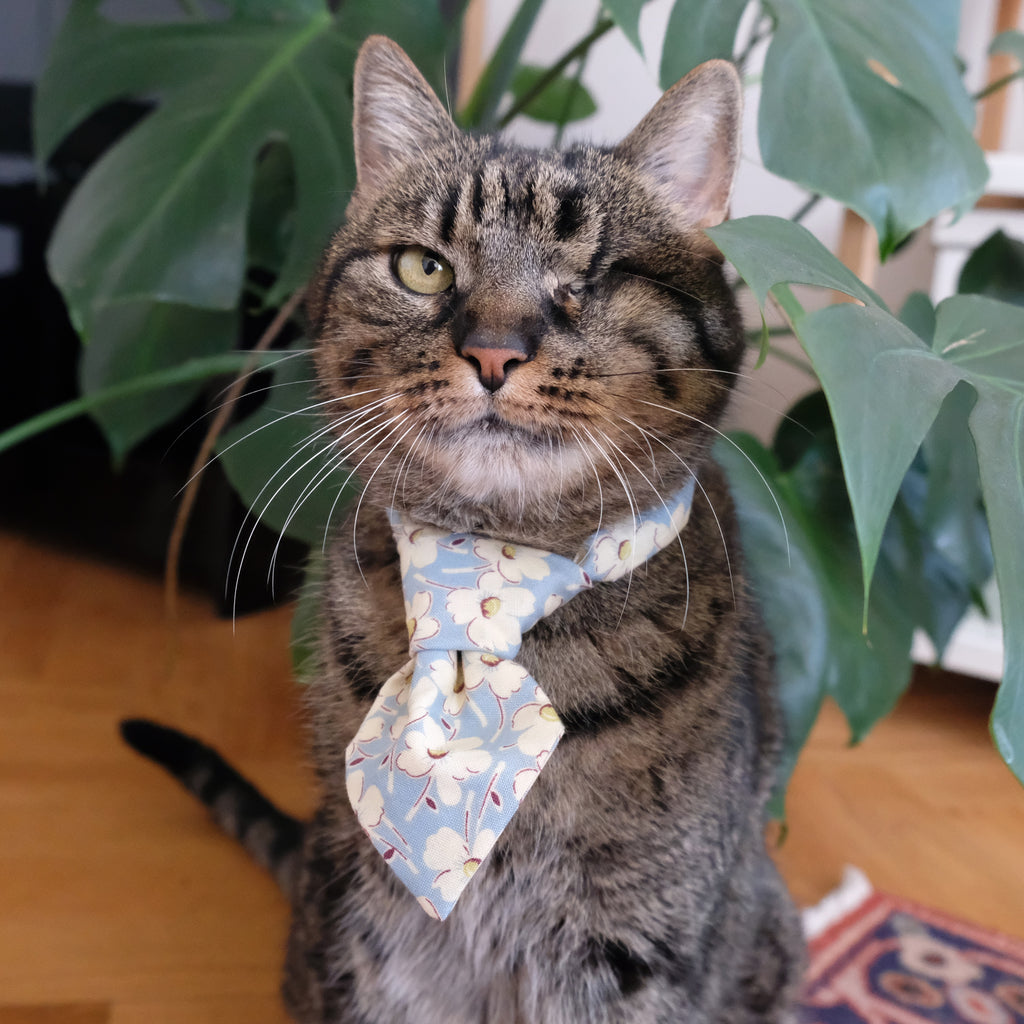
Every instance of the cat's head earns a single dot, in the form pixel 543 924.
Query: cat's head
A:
pixel 508 338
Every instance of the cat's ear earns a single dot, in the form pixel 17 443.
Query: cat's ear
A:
pixel 689 143
pixel 397 115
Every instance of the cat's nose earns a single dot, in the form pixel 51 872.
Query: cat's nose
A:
pixel 495 355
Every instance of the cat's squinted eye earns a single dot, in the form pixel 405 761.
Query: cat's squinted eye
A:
pixel 422 271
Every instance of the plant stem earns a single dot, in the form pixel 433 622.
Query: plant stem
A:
pixel 202 459
pixel 791 360
pixel 580 49
pixel 998 84
pixel 811 203
pixel 191 370
pixel 761 31
pixel 487 96
pixel 789 304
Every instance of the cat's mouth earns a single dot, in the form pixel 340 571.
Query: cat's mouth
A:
pixel 495 425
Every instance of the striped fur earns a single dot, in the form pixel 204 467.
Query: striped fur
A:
pixel 272 838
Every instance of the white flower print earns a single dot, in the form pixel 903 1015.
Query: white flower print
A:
pixel 502 676
pixel 367 801
pixel 540 729
pixel 428 907
pixel 615 554
pixel 455 859
pixel 448 762
pixel 417 545
pixel 512 562
pixel 421 626
pixel 372 728
pixel 522 782
pixel 491 614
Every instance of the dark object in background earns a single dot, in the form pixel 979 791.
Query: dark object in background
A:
pixel 61 486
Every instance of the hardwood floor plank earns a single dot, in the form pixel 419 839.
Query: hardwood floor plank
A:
pixel 214 1010
pixel 67 1013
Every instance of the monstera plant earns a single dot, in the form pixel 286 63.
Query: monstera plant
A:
pixel 884 513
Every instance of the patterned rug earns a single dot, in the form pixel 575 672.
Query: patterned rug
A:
pixel 888 961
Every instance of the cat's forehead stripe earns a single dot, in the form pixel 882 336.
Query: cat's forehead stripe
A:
pixel 545 197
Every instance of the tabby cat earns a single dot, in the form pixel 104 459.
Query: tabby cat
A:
pixel 525 345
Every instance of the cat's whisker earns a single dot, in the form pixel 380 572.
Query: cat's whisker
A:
pixel 309 409
pixel 213 409
pixel 668 511
pixel 597 476
pixel 320 453
pixel 366 485
pixel 331 427
pixel 653 434
pixel 726 437
pixel 643 436
pixel 627 489
pixel 321 475
pixel 662 284
pixel 403 466
pixel 401 417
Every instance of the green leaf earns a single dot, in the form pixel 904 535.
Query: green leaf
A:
pixel 563 100
pixel 271 212
pixel 802 557
pixel 286 469
pixel 886 388
pixel 145 337
pixel 918 314
pixel 698 31
pixel 878 84
pixel 770 250
pixel 938 534
pixel 1011 41
pixel 480 110
pixel 865 357
pixel 162 216
pixel 626 14
pixel 944 18
pixel 186 372
pixel 995 269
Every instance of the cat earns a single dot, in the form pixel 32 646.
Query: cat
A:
pixel 525 345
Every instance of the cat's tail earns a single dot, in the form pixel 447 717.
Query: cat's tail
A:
pixel 272 837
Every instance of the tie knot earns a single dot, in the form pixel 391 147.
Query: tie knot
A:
pixel 470 593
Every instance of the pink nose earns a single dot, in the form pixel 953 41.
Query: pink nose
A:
pixel 493 364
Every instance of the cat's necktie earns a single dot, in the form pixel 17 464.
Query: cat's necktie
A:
pixel 458 735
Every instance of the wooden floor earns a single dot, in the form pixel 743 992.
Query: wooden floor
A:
pixel 120 903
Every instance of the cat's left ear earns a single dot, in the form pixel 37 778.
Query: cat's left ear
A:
pixel 689 143
pixel 397 115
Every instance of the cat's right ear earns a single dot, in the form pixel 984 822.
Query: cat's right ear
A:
pixel 397 114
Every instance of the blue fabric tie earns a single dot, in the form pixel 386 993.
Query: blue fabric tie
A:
pixel 457 736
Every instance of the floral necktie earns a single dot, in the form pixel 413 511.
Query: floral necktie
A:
pixel 457 736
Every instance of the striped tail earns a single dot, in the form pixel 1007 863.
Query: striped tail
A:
pixel 271 837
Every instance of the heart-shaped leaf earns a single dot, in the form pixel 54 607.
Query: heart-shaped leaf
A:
pixel 162 216
pixel 885 387
pixel 878 83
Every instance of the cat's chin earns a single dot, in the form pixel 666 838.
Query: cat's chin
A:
pixel 493 461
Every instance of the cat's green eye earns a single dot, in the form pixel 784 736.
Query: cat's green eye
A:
pixel 423 271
